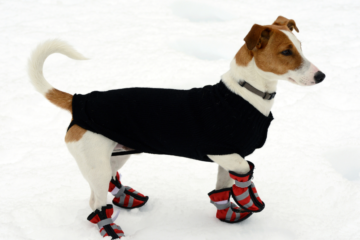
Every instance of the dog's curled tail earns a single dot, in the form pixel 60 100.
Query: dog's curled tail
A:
pixel 35 71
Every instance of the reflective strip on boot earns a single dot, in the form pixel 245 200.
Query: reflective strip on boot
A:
pixel 245 194
pixel 221 206
pixel 242 196
pixel 107 222
pixel 120 192
pixel 104 222
pixel 253 186
pixel 228 215
pixel 128 188
pixel 131 200
pixel 249 204
pixel 243 184
pixel 115 227
pixel 237 216
pixel 230 212
pixel 103 232
pixel 122 200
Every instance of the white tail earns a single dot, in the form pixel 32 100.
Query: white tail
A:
pixel 37 59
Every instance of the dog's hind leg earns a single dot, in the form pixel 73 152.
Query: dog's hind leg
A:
pixel 124 196
pixel 92 153
pixel 118 162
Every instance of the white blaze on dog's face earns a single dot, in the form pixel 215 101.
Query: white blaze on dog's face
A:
pixel 278 54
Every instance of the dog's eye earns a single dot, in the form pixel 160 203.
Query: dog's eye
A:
pixel 286 52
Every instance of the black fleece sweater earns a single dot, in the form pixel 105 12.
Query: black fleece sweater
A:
pixel 189 123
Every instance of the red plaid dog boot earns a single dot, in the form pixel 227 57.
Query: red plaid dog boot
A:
pixel 227 211
pixel 126 197
pixel 244 191
pixel 105 223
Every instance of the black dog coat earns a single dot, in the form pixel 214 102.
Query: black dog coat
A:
pixel 190 123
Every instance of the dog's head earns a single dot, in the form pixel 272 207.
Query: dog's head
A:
pixel 278 54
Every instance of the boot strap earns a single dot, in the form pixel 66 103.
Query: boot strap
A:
pixel 104 222
pixel 109 222
pixel 120 191
pixel 230 212
pixel 243 184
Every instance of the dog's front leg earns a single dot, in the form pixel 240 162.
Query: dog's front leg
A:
pixel 234 167
pixel 220 197
pixel 231 162
pixel 223 179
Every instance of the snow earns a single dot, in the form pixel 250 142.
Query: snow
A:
pixel 307 173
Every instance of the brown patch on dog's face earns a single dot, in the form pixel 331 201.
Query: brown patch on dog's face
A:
pixel 60 99
pixel 74 134
pixel 280 54
pixel 272 49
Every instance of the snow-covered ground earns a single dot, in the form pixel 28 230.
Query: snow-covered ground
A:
pixel 307 173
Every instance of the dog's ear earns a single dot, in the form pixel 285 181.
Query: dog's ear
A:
pixel 282 21
pixel 257 37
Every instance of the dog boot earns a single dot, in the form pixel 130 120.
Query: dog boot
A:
pixel 126 197
pixel 226 210
pixel 105 223
pixel 245 193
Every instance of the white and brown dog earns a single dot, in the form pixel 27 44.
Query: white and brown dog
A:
pixel 270 53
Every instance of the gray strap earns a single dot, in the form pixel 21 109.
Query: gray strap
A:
pixel 120 192
pixel 131 200
pixel 104 222
pixel 264 95
pixel 228 215
pixel 122 200
pixel 103 232
pixel 243 184
pixel 237 216
pixel 253 186
pixel 249 204
pixel 128 188
pixel 221 206
pixel 116 227
pixel 242 196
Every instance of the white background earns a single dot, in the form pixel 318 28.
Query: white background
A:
pixel 307 173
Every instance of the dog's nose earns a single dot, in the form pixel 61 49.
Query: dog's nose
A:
pixel 319 77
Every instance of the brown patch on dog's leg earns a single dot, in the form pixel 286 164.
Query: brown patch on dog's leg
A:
pixel 74 134
pixel 60 99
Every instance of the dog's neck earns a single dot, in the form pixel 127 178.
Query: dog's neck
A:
pixel 251 74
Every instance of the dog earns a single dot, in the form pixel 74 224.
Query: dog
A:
pixel 101 139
